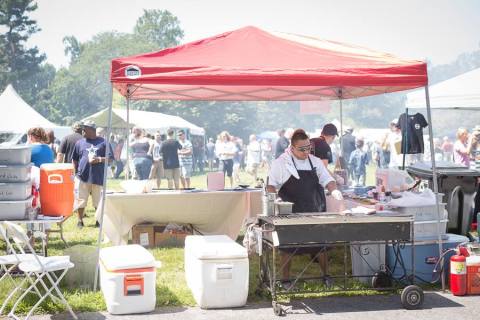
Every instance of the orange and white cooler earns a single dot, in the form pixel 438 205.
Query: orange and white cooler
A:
pixel 127 279
pixel 56 189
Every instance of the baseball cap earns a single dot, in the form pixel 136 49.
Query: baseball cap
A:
pixel 89 123
pixel 329 130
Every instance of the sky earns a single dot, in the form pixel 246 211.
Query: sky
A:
pixel 437 30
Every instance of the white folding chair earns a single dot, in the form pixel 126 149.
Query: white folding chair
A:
pixel 42 269
pixel 9 262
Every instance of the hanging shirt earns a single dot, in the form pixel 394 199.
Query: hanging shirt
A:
pixel 412 131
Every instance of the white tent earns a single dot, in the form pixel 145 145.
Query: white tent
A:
pixel 17 115
pixel 460 92
pixel 150 121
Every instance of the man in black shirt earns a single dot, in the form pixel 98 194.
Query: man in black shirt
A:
pixel 282 143
pixel 171 165
pixel 65 151
pixel 321 145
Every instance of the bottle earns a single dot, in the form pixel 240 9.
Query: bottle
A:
pixel 388 196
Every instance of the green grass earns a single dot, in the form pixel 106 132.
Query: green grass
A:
pixel 171 286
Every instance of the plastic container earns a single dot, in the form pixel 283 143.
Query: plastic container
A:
pixel 393 179
pixel 56 189
pixel 127 279
pixel 216 270
pixel 426 256
pixel 16 210
pixel 428 229
pixel 473 275
pixel 424 213
pixel 367 259
pixel 15 191
pixel 20 155
pixel 15 173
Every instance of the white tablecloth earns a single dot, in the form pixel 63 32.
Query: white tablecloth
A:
pixel 218 212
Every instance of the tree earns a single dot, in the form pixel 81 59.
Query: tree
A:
pixel 84 87
pixel 159 27
pixel 20 63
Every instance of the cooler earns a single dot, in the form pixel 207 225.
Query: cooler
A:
pixel 216 270
pixel 426 256
pixel 127 279
pixel 56 189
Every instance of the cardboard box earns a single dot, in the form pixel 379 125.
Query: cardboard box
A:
pixel 144 234
pixel 168 239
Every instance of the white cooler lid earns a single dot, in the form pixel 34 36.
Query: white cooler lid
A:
pixel 132 256
pixel 214 248
pixel 56 166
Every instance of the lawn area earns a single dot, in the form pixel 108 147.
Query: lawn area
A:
pixel 171 286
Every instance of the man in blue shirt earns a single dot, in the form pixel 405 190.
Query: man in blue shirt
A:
pixel 89 159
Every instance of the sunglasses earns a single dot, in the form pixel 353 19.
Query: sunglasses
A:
pixel 304 148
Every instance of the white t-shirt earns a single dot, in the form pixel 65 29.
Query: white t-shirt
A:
pixel 282 169
pixel 253 153
pixel 222 148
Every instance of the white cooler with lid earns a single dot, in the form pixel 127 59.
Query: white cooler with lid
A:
pixel 216 269
pixel 127 279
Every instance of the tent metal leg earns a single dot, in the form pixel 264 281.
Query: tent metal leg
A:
pixel 108 151
pixel 435 182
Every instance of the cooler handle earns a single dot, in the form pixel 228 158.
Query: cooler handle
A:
pixel 52 178
pixel 224 271
pixel 133 285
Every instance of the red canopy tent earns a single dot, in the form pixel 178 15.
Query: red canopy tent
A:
pixel 253 64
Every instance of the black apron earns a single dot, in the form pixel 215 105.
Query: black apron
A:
pixel 306 193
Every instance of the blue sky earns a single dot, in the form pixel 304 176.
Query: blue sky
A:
pixel 438 30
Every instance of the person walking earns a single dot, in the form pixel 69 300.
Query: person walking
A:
pixel 358 163
pixel 141 160
pixel 41 152
pixel 67 144
pixel 171 164
pixel 210 150
pixel 156 173
pixel 282 143
pixel 225 150
pixel 185 156
pixel 253 157
pixel 89 156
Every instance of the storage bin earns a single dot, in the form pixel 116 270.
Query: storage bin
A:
pixel 56 189
pixel 216 270
pixel 424 213
pixel 15 191
pixel 127 279
pixel 20 155
pixel 15 173
pixel 367 258
pixel 16 210
pixel 428 229
pixel 426 256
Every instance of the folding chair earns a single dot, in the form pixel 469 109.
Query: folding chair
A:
pixel 43 269
pixel 10 262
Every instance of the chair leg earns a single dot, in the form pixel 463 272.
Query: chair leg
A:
pixel 60 294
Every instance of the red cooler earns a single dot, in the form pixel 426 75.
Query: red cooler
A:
pixel 56 189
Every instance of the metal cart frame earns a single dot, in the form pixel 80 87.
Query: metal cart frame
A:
pixel 382 280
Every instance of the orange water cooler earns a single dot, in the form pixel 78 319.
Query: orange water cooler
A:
pixel 56 189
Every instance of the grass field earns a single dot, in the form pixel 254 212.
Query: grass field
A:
pixel 171 286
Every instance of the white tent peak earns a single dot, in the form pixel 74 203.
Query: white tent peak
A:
pixel 150 121
pixel 19 116
pixel 460 92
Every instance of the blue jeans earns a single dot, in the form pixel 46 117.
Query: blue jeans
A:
pixel 142 167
